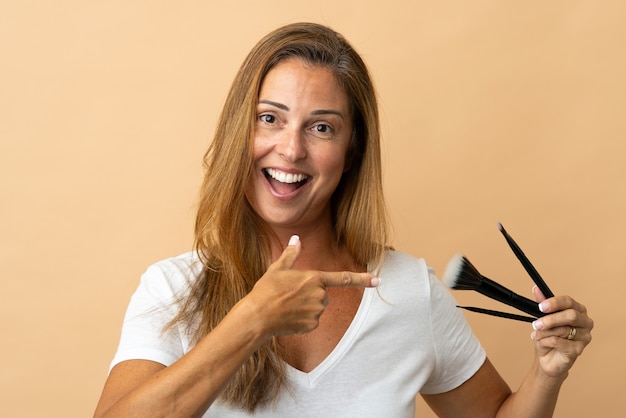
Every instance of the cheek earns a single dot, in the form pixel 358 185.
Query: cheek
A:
pixel 260 147
pixel 333 165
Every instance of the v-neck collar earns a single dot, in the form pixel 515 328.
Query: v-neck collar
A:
pixel 310 379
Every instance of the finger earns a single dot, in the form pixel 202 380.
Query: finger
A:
pixel 289 255
pixel 561 303
pixel 559 337
pixel 569 349
pixel 560 323
pixel 563 332
pixel 349 279
pixel 538 294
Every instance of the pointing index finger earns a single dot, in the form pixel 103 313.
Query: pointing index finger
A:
pixel 349 279
pixel 289 255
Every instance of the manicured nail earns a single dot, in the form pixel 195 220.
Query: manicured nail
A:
pixel 294 240
pixel 538 324
pixel 543 306
pixel 533 334
pixel 375 281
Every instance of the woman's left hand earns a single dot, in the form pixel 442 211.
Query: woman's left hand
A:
pixel 562 335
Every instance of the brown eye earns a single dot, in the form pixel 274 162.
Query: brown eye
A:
pixel 267 118
pixel 322 128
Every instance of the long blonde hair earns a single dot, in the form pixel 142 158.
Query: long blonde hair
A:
pixel 229 237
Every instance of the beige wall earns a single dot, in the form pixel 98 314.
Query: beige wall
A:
pixel 492 111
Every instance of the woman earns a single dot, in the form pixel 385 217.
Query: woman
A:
pixel 291 303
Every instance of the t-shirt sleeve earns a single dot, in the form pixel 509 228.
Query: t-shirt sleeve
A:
pixel 458 352
pixel 151 307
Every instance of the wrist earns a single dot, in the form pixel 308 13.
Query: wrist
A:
pixel 546 380
pixel 252 316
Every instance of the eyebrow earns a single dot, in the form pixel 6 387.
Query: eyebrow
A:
pixel 315 112
pixel 275 104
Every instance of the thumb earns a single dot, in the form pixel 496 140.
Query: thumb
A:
pixel 289 255
pixel 539 297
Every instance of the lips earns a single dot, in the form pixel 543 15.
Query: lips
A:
pixel 283 183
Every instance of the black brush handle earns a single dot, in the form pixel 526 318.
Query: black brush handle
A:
pixel 528 266
pixel 499 314
pixel 500 293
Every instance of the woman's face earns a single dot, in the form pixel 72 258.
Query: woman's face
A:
pixel 301 138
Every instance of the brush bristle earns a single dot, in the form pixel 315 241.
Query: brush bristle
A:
pixel 460 274
pixel 452 270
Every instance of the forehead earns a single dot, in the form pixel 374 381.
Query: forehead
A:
pixel 295 80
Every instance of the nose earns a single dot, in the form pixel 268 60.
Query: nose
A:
pixel 291 146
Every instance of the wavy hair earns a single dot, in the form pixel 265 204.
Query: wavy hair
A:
pixel 230 239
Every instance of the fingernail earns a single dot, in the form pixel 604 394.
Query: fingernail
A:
pixel 538 324
pixel 294 240
pixel 375 281
pixel 532 335
pixel 543 306
pixel 533 289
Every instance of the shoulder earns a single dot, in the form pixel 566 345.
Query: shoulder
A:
pixel 153 305
pixel 166 278
pixel 401 267
pixel 405 278
pixel 183 264
pixel 398 261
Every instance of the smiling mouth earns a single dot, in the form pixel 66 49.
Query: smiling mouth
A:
pixel 284 183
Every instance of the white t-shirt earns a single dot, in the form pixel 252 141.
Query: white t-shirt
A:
pixel 407 337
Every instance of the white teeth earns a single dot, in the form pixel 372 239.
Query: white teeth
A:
pixel 285 177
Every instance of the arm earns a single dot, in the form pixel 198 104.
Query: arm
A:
pixel 283 302
pixel 555 354
pixel 480 396
pixel 486 394
pixel 190 385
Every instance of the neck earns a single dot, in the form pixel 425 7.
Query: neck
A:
pixel 320 250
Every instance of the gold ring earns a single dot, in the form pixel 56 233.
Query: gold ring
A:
pixel 572 334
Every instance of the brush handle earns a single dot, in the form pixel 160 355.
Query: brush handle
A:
pixel 528 266
pixel 499 314
pixel 500 293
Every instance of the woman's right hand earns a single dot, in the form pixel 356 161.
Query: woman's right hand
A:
pixel 284 301
pixel 292 301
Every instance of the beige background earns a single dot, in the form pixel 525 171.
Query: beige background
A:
pixel 492 111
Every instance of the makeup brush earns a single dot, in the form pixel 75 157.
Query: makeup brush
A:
pixel 460 274
pixel 530 269
pixel 498 313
